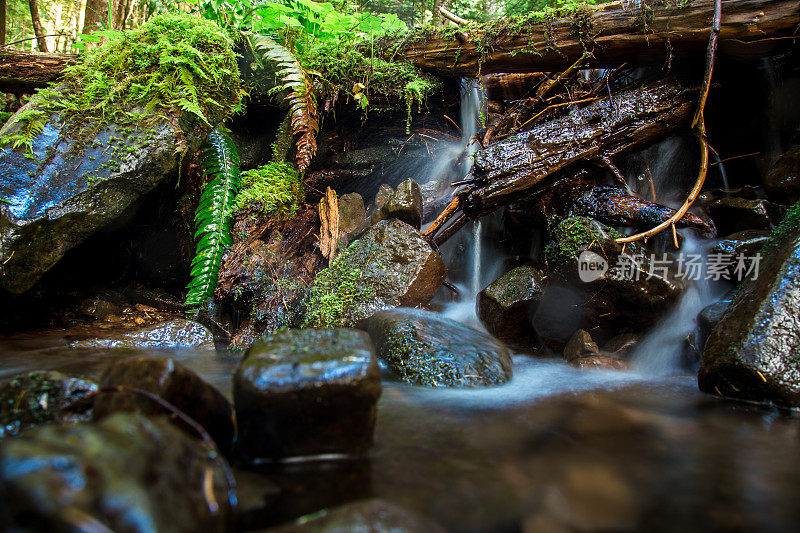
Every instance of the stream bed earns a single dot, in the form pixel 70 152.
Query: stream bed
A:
pixel 557 448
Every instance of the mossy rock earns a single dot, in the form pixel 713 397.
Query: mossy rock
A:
pixel 425 348
pixel 505 306
pixel 391 265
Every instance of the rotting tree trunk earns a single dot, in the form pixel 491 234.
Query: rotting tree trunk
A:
pixel 38 29
pixel 3 8
pixel 22 72
pixel 632 120
pixel 614 34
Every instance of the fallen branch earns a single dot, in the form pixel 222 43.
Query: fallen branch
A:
pixel 698 124
pixel 452 17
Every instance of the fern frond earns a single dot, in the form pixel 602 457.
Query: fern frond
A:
pixel 302 103
pixel 219 163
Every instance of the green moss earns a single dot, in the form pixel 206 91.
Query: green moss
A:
pixel 275 188
pixel 789 228
pixel 337 291
pixel 174 62
pixel 343 64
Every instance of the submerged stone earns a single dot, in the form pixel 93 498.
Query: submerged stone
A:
pixel 173 383
pixel 176 333
pixel 425 348
pixel 505 307
pixel 124 473
pixel 41 397
pixel 754 350
pixel 307 392
pixel 374 516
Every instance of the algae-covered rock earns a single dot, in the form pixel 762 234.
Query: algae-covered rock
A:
pixel 178 333
pixel 351 212
pixel 425 348
pixel 754 351
pixel 40 397
pixel 505 307
pixel 75 158
pixel 392 265
pixel 601 289
pixel 124 473
pixel 307 392
pixel 173 383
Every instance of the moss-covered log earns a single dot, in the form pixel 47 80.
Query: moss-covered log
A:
pixel 639 33
pixel 22 72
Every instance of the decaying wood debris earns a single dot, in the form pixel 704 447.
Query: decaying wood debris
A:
pixel 509 169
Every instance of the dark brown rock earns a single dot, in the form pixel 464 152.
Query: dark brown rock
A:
pixel 600 362
pixel 783 179
pixel 307 392
pixel 732 215
pixel 505 307
pixel 621 345
pixel 754 351
pixel 404 204
pixel 173 383
pixel 580 345
pixel 351 212
pixel 123 473
pixel 41 397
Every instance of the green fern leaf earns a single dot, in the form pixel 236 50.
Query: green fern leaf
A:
pixel 302 103
pixel 219 163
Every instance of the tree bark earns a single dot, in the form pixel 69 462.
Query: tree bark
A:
pixel 510 169
pixel 38 30
pixel 96 10
pixel 2 22
pixel 614 35
pixel 22 72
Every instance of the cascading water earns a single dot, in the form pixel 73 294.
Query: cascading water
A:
pixel 659 352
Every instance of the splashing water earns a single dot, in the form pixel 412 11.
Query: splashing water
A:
pixel 659 352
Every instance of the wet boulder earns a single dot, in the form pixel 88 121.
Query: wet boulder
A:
pixel 711 315
pixel 600 362
pixel 783 179
pixel 375 516
pixel 124 473
pixel 56 199
pixel 307 392
pixel 594 286
pixel 580 345
pixel 351 212
pixel 735 252
pixel 404 204
pixel 621 345
pixel 754 351
pixel 505 307
pixel 733 215
pixel 391 265
pixel 425 348
pixel 41 397
pixel 178 333
pixel 173 383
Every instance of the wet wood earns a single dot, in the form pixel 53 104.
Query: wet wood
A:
pixel 614 33
pixel 329 231
pixel 23 72
pixel 512 168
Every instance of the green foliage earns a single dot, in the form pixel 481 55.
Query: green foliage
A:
pixel 336 292
pixel 23 127
pixel 275 188
pixel 173 62
pixel 219 163
pixel 302 103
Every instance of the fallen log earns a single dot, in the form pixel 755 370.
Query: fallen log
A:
pixel 636 32
pixel 602 130
pixel 23 72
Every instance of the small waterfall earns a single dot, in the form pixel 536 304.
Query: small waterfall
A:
pixel 477 248
pixel 659 352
